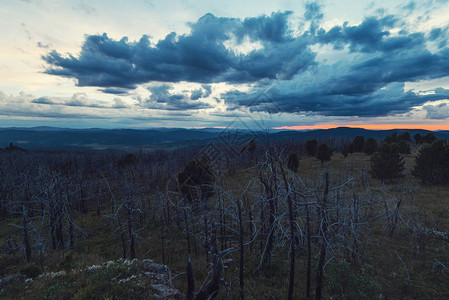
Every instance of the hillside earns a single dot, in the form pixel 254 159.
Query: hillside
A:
pixel 42 138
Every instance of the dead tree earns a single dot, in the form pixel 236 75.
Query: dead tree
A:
pixel 211 288
pixel 241 259
pixel 26 238
pixel 190 281
pixel 323 241
pixel 291 282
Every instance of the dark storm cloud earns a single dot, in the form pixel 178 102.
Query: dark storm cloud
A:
pixel 115 91
pixel 369 83
pixel 196 94
pixel 382 102
pixel 440 36
pixel 200 56
pixel 207 90
pixel 162 98
pixel 43 100
pixel 202 92
pixel 77 100
pixel 371 35
pixel 368 80
pixel 372 87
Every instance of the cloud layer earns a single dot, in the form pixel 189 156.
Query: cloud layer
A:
pixel 203 55
pixel 364 75
pixel 370 79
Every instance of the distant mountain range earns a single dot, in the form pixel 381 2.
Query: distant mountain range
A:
pixel 40 138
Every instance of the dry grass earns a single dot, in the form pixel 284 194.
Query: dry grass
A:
pixel 402 269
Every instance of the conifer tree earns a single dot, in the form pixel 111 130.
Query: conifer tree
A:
pixel 358 143
pixel 432 163
pixel 370 146
pixel 324 153
pixel 311 147
pixel 387 163
pixel 404 147
pixel 418 139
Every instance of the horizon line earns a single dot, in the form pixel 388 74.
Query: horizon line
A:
pixel 430 127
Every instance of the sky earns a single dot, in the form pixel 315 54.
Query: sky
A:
pixel 255 64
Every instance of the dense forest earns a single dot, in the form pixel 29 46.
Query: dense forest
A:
pixel 340 218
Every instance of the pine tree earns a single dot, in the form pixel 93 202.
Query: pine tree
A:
pixel 404 147
pixel 432 163
pixel 405 137
pixel 393 138
pixel 311 147
pixel 418 139
pixel 324 153
pixel 387 163
pixel 370 146
pixel 429 138
pixel 358 142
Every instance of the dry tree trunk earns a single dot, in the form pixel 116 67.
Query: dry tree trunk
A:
pixel 132 250
pixel 190 280
pixel 291 282
pixel 241 265
pixel 210 290
pixel 323 229
pixel 26 238
pixel 309 254
pixel 187 231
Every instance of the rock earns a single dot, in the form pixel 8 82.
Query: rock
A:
pixel 7 279
pixel 163 291
pixel 160 276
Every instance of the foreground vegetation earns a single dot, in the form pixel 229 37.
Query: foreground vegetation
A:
pixel 269 227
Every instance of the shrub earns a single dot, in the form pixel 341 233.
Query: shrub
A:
pixel 345 283
pixel 196 180
pixel 293 162
pixel 324 153
pixel 67 262
pixel 30 270
pixel 432 163
pixel 370 146
pixel 387 163
pixel 311 147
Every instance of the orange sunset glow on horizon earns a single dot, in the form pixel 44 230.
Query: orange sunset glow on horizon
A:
pixel 431 127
